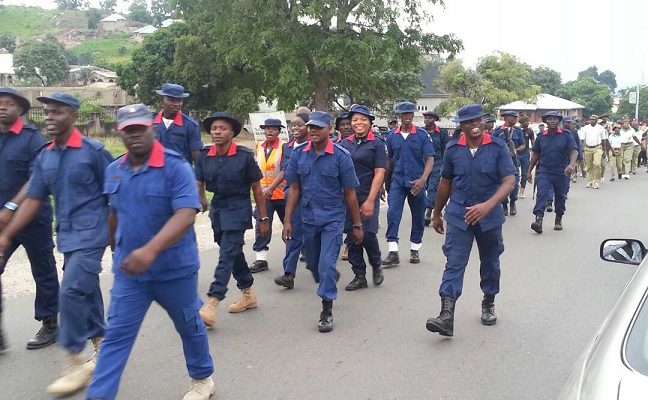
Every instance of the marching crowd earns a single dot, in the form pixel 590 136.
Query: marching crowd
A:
pixel 325 185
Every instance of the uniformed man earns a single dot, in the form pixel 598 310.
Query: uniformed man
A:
pixel 489 123
pixel 71 169
pixel 174 129
pixel 19 146
pixel 392 123
pixel 555 153
pixel 342 126
pixel 369 155
pixel 477 174
pixel 440 139
pixel 269 156
pixel 568 124
pixel 153 203
pixel 229 171
pixel 411 160
pixel 512 136
pixel 321 174
pixel 523 155
pixel 594 139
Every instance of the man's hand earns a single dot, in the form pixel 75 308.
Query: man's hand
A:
pixel 529 178
pixel 476 213
pixel 5 217
pixel 569 169
pixel 138 261
pixel 419 184
pixel 267 193
pixel 358 236
pixel 367 209
pixel 286 234
pixel 204 205
pixel 264 228
pixel 437 224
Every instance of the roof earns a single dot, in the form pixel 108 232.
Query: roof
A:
pixel 428 77
pixel 146 30
pixel 168 22
pixel 543 101
pixel 114 18
pixel 6 64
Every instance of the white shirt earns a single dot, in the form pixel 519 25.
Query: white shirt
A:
pixel 167 122
pixel 592 135
pixel 637 135
pixel 616 141
pixel 627 135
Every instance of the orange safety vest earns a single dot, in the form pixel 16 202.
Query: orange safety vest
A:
pixel 270 168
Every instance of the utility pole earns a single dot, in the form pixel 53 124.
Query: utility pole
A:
pixel 637 104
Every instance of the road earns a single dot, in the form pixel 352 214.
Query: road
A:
pixel 555 294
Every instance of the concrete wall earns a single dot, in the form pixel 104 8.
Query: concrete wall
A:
pixel 113 96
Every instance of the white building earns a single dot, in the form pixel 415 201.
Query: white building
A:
pixel 140 33
pixel 113 23
pixel 7 72
pixel 168 22
pixel 545 102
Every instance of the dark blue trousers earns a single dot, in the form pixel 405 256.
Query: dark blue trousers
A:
pixel 356 256
pixel 322 244
pixel 548 187
pixel 396 202
pixel 272 206
pixel 457 247
pixel 432 185
pixel 524 160
pixel 513 197
pixel 296 243
pixel 231 261
pixel 130 300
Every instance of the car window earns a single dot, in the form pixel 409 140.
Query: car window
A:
pixel 636 349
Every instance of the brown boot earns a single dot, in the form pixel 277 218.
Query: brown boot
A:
pixel 208 311
pixel 75 377
pixel 91 364
pixel 245 302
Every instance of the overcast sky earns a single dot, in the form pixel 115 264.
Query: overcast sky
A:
pixel 566 35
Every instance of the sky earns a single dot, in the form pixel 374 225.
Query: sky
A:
pixel 565 35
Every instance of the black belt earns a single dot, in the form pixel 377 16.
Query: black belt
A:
pixel 593 147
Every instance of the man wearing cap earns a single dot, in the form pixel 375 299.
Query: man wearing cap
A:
pixel 71 169
pixel 439 138
pixel 392 123
pixel 555 153
pixel 321 174
pixel 229 171
pixel 594 139
pixel 637 146
pixel 523 155
pixel 411 160
pixel 512 136
pixel 477 174
pixel 174 129
pixel 19 146
pixel 628 135
pixel 343 126
pixel 153 203
pixel 489 123
pixel 269 156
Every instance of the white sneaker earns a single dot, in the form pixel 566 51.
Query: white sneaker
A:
pixel 626 176
pixel 201 389
pixel 595 185
pixel 589 185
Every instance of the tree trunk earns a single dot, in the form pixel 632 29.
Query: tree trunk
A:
pixel 321 91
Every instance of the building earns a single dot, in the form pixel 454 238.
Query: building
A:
pixel 7 72
pixel 113 23
pixel 86 74
pixel 545 102
pixel 139 34
pixel 168 22
pixel 106 94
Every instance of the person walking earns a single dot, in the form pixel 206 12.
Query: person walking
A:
pixel 594 138
pixel 524 155
pixel 440 139
pixel 628 139
pixel 616 153
pixel 513 137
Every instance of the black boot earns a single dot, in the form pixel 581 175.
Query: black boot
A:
pixel 505 208
pixel 488 310
pixel 46 334
pixel 444 323
pixel 392 260
pixel 414 257
pixel 513 209
pixel 428 216
pixel 558 223
pixel 286 280
pixel 3 343
pixel 537 225
pixel 549 207
pixel 326 316
pixel 378 276
pixel 359 282
pixel 258 266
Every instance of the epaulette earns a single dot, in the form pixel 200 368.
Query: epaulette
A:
pixel 189 119
pixel 93 143
pixel 44 145
pixel 173 153
pixel 246 149
pixel 339 146
pixel 207 147
pixel 498 141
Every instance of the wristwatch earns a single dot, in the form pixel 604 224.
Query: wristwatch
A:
pixel 264 219
pixel 357 226
pixel 10 205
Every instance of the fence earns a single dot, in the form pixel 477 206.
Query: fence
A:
pixel 98 123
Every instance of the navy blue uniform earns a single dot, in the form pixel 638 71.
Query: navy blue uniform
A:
pixel 513 139
pixel 74 176
pixel 229 177
pixel 475 179
pixel 143 201
pixel 322 179
pixel 182 136
pixel 440 140
pixel 524 156
pixel 18 150
pixel 367 154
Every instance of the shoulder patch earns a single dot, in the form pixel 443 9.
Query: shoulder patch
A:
pixel 339 146
pixel 173 153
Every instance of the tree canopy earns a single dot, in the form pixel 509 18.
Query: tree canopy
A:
pixel 44 60
pixel 595 96
pixel 547 79
pixel 71 4
pixel 628 110
pixel 139 11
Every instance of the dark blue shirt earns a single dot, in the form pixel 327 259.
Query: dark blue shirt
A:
pixel 440 140
pixel 408 155
pixel 554 150
pixel 367 154
pixel 74 175
pixel 322 178
pixel 516 137
pixel 574 133
pixel 182 136
pixel 144 200
pixel 475 179
pixel 229 177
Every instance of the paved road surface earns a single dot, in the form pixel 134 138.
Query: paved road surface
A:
pixel 555 293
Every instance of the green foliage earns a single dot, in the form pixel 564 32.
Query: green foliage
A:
pixel 628 110
pixel 89 106
pixel 26 22
pixel 609 78
pixel 44 60
pixel 547 79
pixel 161 10
pixel 106 50
pixel 138 11
pixel 8 42
pixel 108 5
pixel 70 4
pixel 591 72
pixel 595 96
pixel 94 16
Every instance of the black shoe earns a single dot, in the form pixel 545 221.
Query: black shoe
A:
pixel 549 206
pixel 537 225
pixel 505 208
pixel 326 317
pixel 513 209
pixel 444 323
pixel 259 266
pixel 414 257
pixel 378 276
pixel 286 280
pixel 46 334
pixel 428 216
pixel 558 224
pixel 488 316
pixel 359 282
pixel 337 276
pixel 391 260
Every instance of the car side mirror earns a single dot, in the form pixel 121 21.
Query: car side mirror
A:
pixel 625 251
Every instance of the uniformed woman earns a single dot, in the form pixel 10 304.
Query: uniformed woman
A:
pixel 369 155
pixel 229 171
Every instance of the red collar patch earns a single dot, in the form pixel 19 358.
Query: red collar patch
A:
pixel 230 152
pixel 546 131
pixel 412 131
pixel 74 140
pixel 486 139
pixel 369 137
pixel 328 149
pixel 156 159
pixel 17 127
pixel 176 120
pixel 275 144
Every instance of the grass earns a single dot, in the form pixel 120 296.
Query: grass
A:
pixel 108 50
pixel 26 22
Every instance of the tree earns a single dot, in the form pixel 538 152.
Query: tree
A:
pixel 94 16
pixel 609 78
pixel 8 42
pixel 548 79
pixel 330 48
pixel 595 96
pixel 628 110
pixel 161 10
pixel 44 60
pixel 70 4
pixel 465 86
pixel 591 72
pixel 138 11
pixel 108 5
